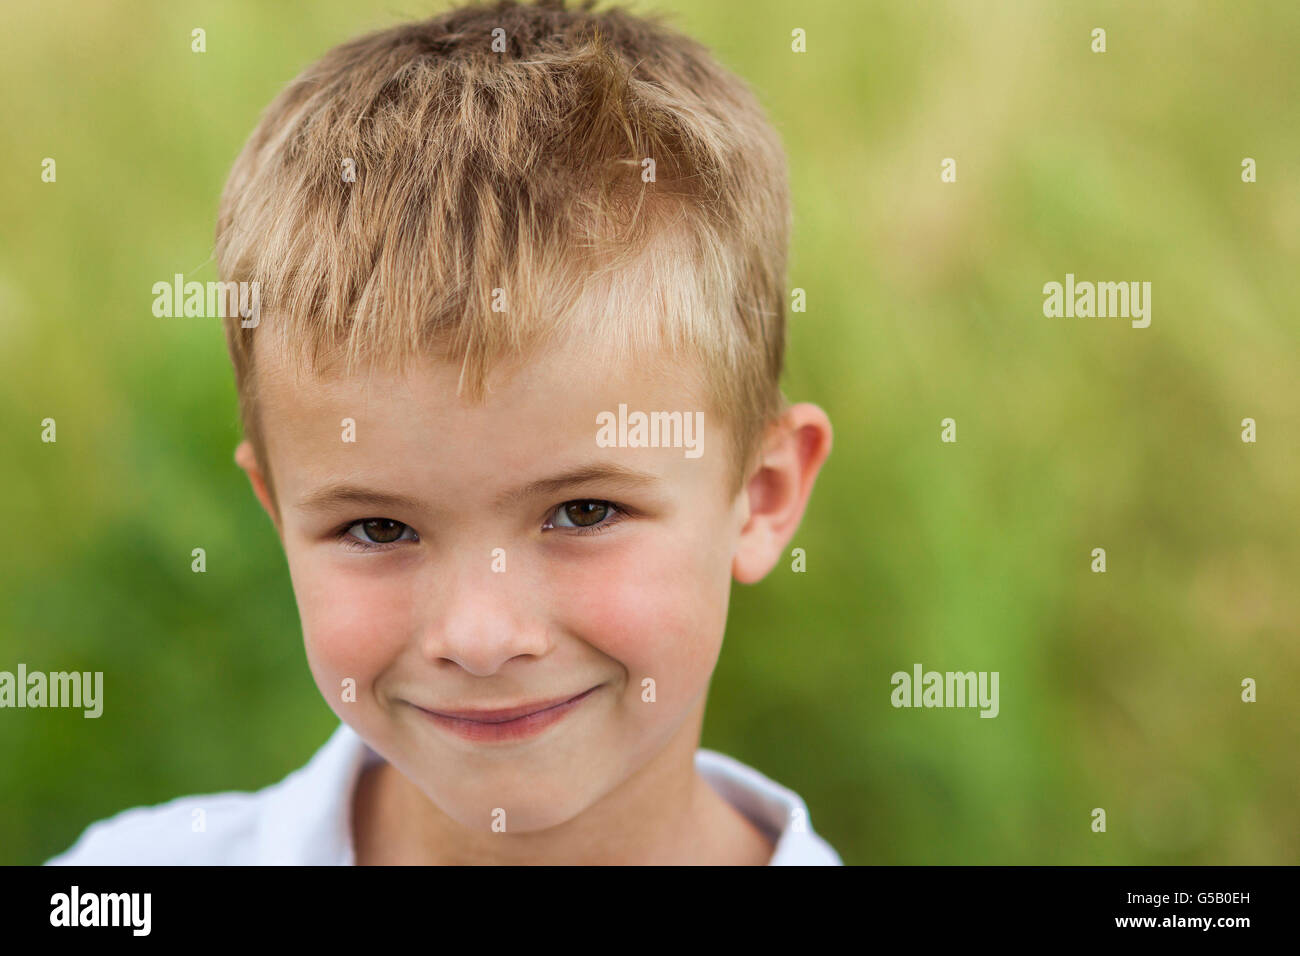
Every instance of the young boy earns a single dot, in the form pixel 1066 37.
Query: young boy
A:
pixel 511 402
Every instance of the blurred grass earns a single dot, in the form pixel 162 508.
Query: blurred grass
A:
pixel 924 302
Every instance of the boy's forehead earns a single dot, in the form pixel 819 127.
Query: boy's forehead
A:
pixel 545 407
pixel 567 373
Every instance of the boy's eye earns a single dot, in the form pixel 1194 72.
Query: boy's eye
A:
pixel 380 531
pixel 584 513
pixel 581 514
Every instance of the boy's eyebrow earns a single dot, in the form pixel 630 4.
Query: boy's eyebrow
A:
pixel 334 495
pixel 606 472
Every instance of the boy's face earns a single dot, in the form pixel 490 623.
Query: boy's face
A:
pixel 476 588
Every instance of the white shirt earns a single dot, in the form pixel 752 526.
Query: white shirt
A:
pixel 305 819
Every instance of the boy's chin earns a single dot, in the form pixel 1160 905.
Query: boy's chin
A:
pixel 520 791
pixel 515 806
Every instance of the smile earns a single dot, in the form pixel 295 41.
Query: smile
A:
pixel 514 723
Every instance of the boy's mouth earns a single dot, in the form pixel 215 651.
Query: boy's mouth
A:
pixel 506 723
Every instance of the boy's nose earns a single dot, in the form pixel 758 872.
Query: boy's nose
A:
pixel 472 620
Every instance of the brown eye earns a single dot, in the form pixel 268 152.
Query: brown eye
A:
pixel 381 530
pixel 586 513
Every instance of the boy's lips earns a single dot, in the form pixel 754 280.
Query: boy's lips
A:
pixel 503 714
pixel 506 724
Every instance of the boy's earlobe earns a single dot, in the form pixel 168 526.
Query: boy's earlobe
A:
pixel 246 459
pixel 779 489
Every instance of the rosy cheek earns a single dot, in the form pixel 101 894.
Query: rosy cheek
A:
pixel 652 609
pixel 353 624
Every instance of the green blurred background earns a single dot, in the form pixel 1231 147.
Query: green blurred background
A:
pixel 1118 690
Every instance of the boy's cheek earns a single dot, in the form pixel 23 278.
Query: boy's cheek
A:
pixel 351 629
pixel 656 612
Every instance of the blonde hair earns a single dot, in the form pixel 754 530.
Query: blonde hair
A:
pixel 483 174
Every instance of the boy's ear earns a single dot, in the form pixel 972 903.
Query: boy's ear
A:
pixel 246 459
pixel 777 492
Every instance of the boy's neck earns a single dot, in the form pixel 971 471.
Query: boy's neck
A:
pixel 664 814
